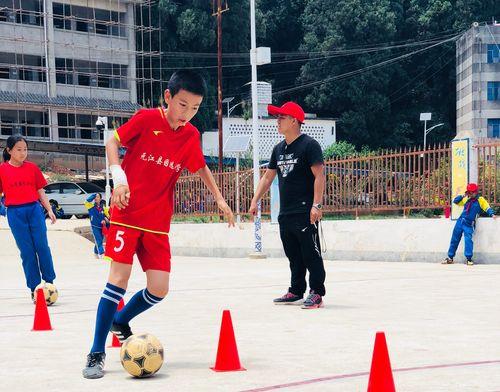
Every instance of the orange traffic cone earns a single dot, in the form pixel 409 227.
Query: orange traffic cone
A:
pixel 114 340
pixel 42 319
pixel 381 373
pixel 227 352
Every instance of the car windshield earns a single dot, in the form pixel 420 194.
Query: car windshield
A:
pixel 88 187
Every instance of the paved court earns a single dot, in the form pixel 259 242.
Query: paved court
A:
pixel 442 325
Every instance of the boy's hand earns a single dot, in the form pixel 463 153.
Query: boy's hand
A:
pixel 224 207
pixel 121 197
pixel 253 208
pixel 494 216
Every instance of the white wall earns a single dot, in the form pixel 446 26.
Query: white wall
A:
pixel 421 240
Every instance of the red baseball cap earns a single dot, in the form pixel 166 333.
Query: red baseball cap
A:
pixel 472 187
pixel 288 109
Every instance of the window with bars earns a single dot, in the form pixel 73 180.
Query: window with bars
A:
pixel 82 126
pixel 22 67
pixel 91 73
pixel 93 20
pixel 31 124
pixel 28 12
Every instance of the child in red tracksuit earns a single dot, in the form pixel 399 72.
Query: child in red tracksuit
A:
pixel 22 184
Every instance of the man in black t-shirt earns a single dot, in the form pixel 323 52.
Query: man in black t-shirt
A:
pixel 298 161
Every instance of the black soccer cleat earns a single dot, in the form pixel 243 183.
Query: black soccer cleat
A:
pixel 121 331
pixel 95 366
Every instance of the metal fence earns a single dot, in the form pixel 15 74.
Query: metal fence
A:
pixel 393 180
pixel 489 170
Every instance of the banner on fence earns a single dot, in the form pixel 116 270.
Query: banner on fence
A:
pixel 459 172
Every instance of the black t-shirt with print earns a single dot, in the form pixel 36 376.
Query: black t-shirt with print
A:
pixel 296 180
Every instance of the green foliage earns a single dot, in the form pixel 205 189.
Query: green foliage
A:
pixel 379 107
pixel 341 149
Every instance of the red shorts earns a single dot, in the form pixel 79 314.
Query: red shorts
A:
pixel 153 250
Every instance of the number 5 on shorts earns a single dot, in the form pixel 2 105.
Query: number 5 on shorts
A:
pixel 119 238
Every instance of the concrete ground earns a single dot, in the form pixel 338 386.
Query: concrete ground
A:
pixel 442 325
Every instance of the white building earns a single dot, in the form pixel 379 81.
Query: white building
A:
pixel 478 81
pixel 323 130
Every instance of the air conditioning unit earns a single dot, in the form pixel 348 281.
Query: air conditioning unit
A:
pixel 93 81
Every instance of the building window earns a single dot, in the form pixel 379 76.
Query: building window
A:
pixel 493 91
pixel 22 11
pixel 22 67
pixel 27 123
pixel 93 20
pixel 62 13
pixel 90 73
pixel 81 127
pixel 493 53
pixel 494 127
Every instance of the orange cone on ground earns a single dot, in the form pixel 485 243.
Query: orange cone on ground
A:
pixel 381 373
pixel 227 352
pixel 114 340
pixel 42 319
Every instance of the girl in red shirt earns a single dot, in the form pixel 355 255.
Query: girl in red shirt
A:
pixel 22 184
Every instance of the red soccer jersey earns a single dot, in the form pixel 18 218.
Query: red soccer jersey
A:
pixel 20 184
pixel 155 158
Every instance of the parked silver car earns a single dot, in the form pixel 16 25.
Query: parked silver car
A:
pixel 71 196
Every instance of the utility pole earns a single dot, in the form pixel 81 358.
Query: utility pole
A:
pixel 218 13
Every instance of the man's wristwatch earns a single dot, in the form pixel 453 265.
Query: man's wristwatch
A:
pixel 318 206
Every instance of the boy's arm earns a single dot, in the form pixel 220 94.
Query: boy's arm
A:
pixel 264 185
pixel 209 181
pixel 460 200
pixel 485 206
pixel 121 191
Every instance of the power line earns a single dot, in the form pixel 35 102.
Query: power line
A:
pixel 361 70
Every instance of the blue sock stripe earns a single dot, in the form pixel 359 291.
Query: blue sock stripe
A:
pixel 152 297
pixel 115 288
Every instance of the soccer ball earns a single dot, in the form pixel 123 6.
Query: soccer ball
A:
pixel 50 292
pixel 141 355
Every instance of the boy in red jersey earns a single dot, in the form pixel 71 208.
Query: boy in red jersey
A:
pixel 160 144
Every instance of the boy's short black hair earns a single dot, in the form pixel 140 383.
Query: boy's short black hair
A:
pixel 188 80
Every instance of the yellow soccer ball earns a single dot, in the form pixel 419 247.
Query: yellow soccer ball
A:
pixel 50 292
pixel 142 355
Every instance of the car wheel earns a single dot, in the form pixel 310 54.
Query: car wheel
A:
pixel 81 216
pixel 66 216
